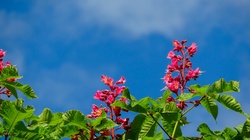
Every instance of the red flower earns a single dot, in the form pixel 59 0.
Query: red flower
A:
pixel 2 53
pixel 174 86
pixel 171 55
pixel 108 81
pixel 122 80
pixel 96 111
pixel 192 49
pixel 182 105
pixel 177 46
pixel 193 74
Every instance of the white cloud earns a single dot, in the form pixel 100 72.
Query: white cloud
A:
pixel 67 20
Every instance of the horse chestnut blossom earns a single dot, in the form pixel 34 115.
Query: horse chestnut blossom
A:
pixel 182 66
pixel 109 96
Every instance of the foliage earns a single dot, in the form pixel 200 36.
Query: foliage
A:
pixel 155 118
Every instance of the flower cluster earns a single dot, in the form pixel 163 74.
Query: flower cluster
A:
pixel 180 64
pixel 109 97
pixel 3 90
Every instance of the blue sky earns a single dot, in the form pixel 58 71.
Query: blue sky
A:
pixel 63 47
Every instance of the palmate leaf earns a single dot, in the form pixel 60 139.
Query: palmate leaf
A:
pixel 210 105
pixel 25 89
pixel 221 86
pixel 12 112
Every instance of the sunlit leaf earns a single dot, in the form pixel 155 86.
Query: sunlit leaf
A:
pixel 210 106
pixel 204 129
pixel 222 86
pixel 149 125
pixel 9 72
pixel 74 117
pixel 230 102
pixel 25 89
pixel 21 131
pixel 11 113
pixel 185 97
pixel 199 91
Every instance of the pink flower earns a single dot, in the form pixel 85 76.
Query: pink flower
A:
pixel 170 99
pixel 192 49
pixel 2 53
pixel 122 80
pixel 168 77
pixel 1 65
pixel 193 74
pixel 177 46
pixel 123 100
pixel 174 86
pixel 110 100
pixel 118 90
pixel 108 81
pixel 96 111
pixel 100 96
pixel 171 55
pixel 8 64
pixel 181 105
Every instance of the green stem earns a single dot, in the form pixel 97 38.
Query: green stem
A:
pixel 188 110
pixel 175 127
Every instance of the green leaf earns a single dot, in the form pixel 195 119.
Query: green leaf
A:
pixel 147 103
pixel 199 91
pixel 149 125
pixel 158 136
pixel 169 128
pixel 165 96
pixel 136 126
pixel 127 95
pixel 210 106
pixel 222 86
pixel 185 97
pixel 205 130
pixel 9 72
pixel 228 133
pixel 230 102
pixel 120 104
pixel 75 117
pixel 20 131
pixel 12 112
pixel 68 131
pixel 104 124
pixel 1 129
pixel 170 108
pixel 25 89
pixel 246 128
pixel 47 118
